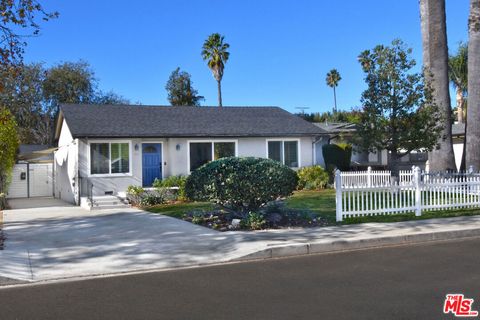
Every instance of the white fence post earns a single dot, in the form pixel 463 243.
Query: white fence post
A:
pixel 417 176
pixel 338 194
pixel 369 176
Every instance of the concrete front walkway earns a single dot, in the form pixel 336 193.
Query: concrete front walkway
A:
pixel 61 242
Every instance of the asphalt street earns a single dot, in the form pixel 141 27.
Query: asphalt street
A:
pixel 407 282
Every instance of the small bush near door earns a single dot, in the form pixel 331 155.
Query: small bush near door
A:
pixel 312 178
pixel 241 184
pixel 173 182
pixel 140 197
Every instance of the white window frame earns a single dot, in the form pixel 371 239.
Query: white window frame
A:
pixel 283 140
pixel 110 174
pixel 213 148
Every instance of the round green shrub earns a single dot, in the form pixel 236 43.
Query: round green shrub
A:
pixel 242 184
pixel 312 178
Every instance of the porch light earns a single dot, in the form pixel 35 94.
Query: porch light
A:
pixel 177 147
pixel 136 147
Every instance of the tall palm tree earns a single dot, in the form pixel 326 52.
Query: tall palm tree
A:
pixel 333 78
pixel 458 73
pixel 473 111
pixel 215 52
pixel 435 61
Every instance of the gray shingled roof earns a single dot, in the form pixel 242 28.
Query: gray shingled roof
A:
pixel 96 121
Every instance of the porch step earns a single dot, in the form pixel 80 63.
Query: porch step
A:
pixel 104 202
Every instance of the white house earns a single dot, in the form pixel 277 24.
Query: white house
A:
pixel 112 147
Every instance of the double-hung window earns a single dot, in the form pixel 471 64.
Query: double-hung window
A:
pixel 284 151
pixel 109 158
pixel 203 152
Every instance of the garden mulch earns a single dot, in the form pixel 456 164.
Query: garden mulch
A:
pixel 279 217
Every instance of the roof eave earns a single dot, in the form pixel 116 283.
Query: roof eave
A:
pixel 84 136
pixel 58 127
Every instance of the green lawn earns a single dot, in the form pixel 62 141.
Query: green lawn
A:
pixel 320 202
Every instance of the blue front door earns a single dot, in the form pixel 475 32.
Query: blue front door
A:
pixel 151 162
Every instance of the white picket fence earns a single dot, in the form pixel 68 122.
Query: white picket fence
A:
pixel 367 193
pixel 374 177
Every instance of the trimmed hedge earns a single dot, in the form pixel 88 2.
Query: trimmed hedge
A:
pixel 337 155
pixel 312 178
pixel 242 184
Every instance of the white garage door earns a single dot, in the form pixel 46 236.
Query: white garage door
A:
pixel 36 183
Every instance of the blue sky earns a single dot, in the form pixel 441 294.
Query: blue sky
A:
pixel 280 50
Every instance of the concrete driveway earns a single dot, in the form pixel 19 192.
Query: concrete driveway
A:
pixel 60 240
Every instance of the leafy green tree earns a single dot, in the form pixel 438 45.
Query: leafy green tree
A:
pixel 109 97
pixel 398 113
pixel 33 93
pixel 215 53
pixel 435 63
pixel 352 116
pixel 8 151
pixel 69 82
pixel 20 19
pixel 458 73
pixel 473 112
pixel 180 90
pixel 333 78
pixel 22 95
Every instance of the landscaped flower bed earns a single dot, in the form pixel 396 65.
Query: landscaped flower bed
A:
pixel 274 216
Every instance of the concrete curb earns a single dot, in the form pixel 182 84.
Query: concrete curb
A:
pixel 357 244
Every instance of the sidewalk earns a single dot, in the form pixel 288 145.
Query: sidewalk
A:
pixel 81 243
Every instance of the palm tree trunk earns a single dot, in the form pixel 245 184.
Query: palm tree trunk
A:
pixel 335 99
pixel 435 61
pixel 219 93
pixel 473 110
pixel 459 97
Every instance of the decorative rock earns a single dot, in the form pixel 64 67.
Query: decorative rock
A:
pixel 236 223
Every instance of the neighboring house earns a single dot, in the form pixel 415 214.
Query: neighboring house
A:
pixel 337 132
pixel 458 137
pixel 112 147
pixel 345 132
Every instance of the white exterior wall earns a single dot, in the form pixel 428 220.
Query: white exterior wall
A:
pixel 66 166
pixel 175 162
pixel 458 152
